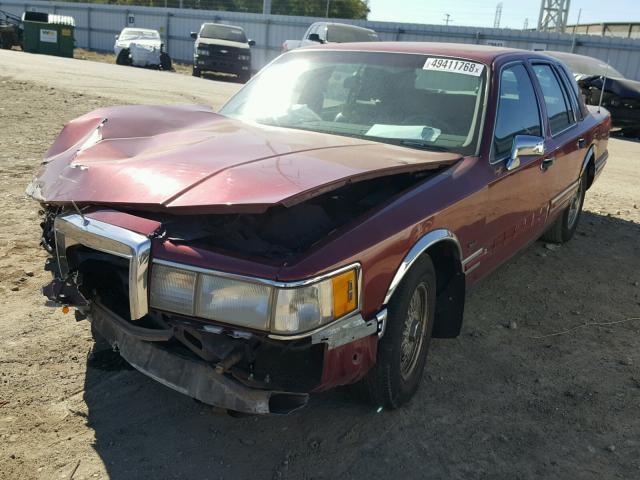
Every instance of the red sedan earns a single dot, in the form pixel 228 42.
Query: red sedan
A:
pixel 324 225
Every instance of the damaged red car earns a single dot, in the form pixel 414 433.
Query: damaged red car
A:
pixel 324 225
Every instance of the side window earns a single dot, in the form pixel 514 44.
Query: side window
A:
pixel 555 98
pixel 572 88
pixel 517 110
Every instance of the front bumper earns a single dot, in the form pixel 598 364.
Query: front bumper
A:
pixel 141 347
pixel 274 373
pixel 209 64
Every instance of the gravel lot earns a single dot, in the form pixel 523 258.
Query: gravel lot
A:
pixel 544 381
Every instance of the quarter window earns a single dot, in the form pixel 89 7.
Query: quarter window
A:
pixel 518 112
pixel 558 108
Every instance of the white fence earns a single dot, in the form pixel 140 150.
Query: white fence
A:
pixel 96 26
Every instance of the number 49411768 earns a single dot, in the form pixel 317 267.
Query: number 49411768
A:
pixel 454 66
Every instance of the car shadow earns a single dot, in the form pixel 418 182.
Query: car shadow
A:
pixel 507 397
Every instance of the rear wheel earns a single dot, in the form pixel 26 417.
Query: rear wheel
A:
pixel 196 72
pixel 566 224
pixel 402 352
pixel 244 77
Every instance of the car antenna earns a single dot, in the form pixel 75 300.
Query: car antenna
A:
pixel 84 219
pixel 604 83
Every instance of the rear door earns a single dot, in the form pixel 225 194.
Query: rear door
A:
pixel 565 147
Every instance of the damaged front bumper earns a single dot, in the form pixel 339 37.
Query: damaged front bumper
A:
pixel 192 377
pixel 237 369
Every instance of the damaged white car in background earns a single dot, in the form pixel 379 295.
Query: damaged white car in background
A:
pixel 141 47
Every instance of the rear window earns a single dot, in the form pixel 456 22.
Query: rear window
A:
pixel 223 32
pixel 346 34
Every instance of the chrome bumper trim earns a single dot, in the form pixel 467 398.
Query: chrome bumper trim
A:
pixel 74 229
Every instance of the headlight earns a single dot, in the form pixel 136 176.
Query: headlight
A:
pixel 202 52
pixel 278 308
pixel 244 57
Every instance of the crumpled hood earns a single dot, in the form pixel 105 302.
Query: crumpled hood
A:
pixel 623 87
pixel 188 159
pixel 149 43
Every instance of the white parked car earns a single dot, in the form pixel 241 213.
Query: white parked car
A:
pixel 141 47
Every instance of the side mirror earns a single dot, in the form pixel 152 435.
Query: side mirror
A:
pixel 524 146
pixel 314 37
pixel 251 43
pixel 194 35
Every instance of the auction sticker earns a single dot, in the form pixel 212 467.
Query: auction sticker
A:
pixel 453 65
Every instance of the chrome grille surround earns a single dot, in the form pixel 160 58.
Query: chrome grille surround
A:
pixel 74 229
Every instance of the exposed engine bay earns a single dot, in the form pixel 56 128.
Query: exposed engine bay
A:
pixel 282 233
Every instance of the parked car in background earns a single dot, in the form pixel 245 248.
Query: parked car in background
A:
pixel 621 95
pixel 221 48
pixel 329 32
pixel 141 47
pixel 11 30
pixel 324 225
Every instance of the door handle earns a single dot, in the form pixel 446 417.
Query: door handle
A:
pixel 581 143
pixel 546 163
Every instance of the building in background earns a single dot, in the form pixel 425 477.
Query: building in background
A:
pixel 610 29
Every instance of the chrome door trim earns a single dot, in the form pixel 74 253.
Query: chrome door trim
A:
pixel 74 229
pixel 428 240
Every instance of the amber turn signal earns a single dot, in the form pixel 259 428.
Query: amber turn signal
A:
pixel 345 294
pixel 65 309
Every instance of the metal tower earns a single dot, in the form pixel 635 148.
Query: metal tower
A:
pixel 496 19
pixel 553 15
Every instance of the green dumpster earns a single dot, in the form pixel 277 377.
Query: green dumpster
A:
pixel 48 34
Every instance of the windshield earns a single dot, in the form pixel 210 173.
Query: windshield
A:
pixel 346 34
pixel 579 64
pixel 143 34
pixel 223 32
pixel 418 101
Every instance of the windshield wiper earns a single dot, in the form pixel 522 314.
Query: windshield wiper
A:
pixel 420 144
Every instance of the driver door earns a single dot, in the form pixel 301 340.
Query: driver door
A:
pixel 517 197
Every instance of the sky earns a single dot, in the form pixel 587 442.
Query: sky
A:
pixel 481 13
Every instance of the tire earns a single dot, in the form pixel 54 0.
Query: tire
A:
pixel 244 77
pixel 566 224
pixel 165 62
pixel 123 57
pixel 396 376
pixel 631 133
pixel 196 72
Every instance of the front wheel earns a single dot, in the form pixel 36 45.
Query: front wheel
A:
pixel 566 224
pixel 165 61
pixel 402 351
pixel 196 72
pixel 123 57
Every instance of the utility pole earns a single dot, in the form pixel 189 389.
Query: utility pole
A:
pixel 496 19
pixel 266 7
pixel 526 24
pixel 553 15
pixel 573 39
pixel 327 14
pixel 447 19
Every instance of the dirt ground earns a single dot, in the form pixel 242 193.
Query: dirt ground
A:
pixel 544 381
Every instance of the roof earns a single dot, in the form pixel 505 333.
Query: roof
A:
pixel 480 53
